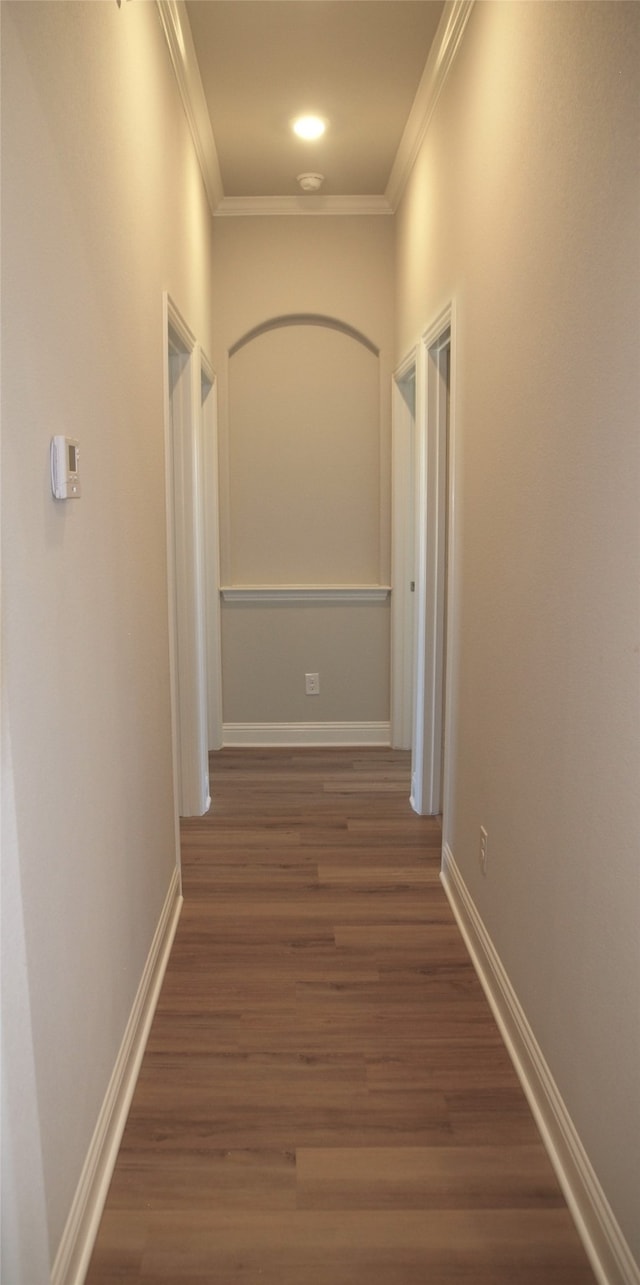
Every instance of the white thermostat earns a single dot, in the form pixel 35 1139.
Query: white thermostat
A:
pixel 65 474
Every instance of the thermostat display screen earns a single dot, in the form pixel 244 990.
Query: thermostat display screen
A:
pixel 65 467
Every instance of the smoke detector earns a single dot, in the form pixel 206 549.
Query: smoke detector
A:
pixel 310 182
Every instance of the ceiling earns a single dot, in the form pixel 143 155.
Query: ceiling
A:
pixel 373 69
pixel 356 63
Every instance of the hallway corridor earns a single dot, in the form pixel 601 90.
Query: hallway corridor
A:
pixel 325 1098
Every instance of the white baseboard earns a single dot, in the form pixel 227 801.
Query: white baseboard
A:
pixel 607 1249
pixel 291 734
pixel 74 1251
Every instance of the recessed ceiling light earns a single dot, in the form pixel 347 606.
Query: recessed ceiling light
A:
pixel 309 127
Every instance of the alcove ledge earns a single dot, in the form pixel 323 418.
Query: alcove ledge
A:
pixel 305 593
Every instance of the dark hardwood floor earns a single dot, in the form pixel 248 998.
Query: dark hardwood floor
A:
pixel 325 1098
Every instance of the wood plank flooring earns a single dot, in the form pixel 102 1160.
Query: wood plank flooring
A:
pixel 325 1098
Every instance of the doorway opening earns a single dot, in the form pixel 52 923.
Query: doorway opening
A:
pixel 211 559
pixel 403 553
pixel 435 540
pixel 185 559
pixel 422 534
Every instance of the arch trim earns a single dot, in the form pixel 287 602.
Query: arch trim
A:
pixel 304 319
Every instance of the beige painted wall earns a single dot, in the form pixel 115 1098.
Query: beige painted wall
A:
pixel 102 209
pixel 304 459
pixel 305 638
pixel 524 208
pixel 304 497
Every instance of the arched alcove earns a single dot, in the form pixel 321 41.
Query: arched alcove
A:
pixel 303 454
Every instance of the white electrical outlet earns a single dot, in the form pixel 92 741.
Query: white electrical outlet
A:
pixel 312 684
pixel 484 839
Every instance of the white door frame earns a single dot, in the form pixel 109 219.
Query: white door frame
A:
pixel 404 411
pixel 185 544
pixel 435 538
pixel 211 492
pixel 424 630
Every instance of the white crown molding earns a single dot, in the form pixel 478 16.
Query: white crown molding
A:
pixel 234 206
pixel 305 593
pixel 177 31
pixel 292 734
pixel 179 38
pixel 601 1235
pixel 437 67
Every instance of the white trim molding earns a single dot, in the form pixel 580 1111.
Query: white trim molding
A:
pixel 211 551
pixel 304 319
pixel 601 1235
pixel 175 24
pixel 404 392
pixel 305 593
pixel 437 67
pixel 437 475
pixel 292 734
pixel 177 30
pixel 184 492
pixel 426 483
pixel 237 206
pixel 76 1245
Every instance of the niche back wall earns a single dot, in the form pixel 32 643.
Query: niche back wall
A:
pixel 303 354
